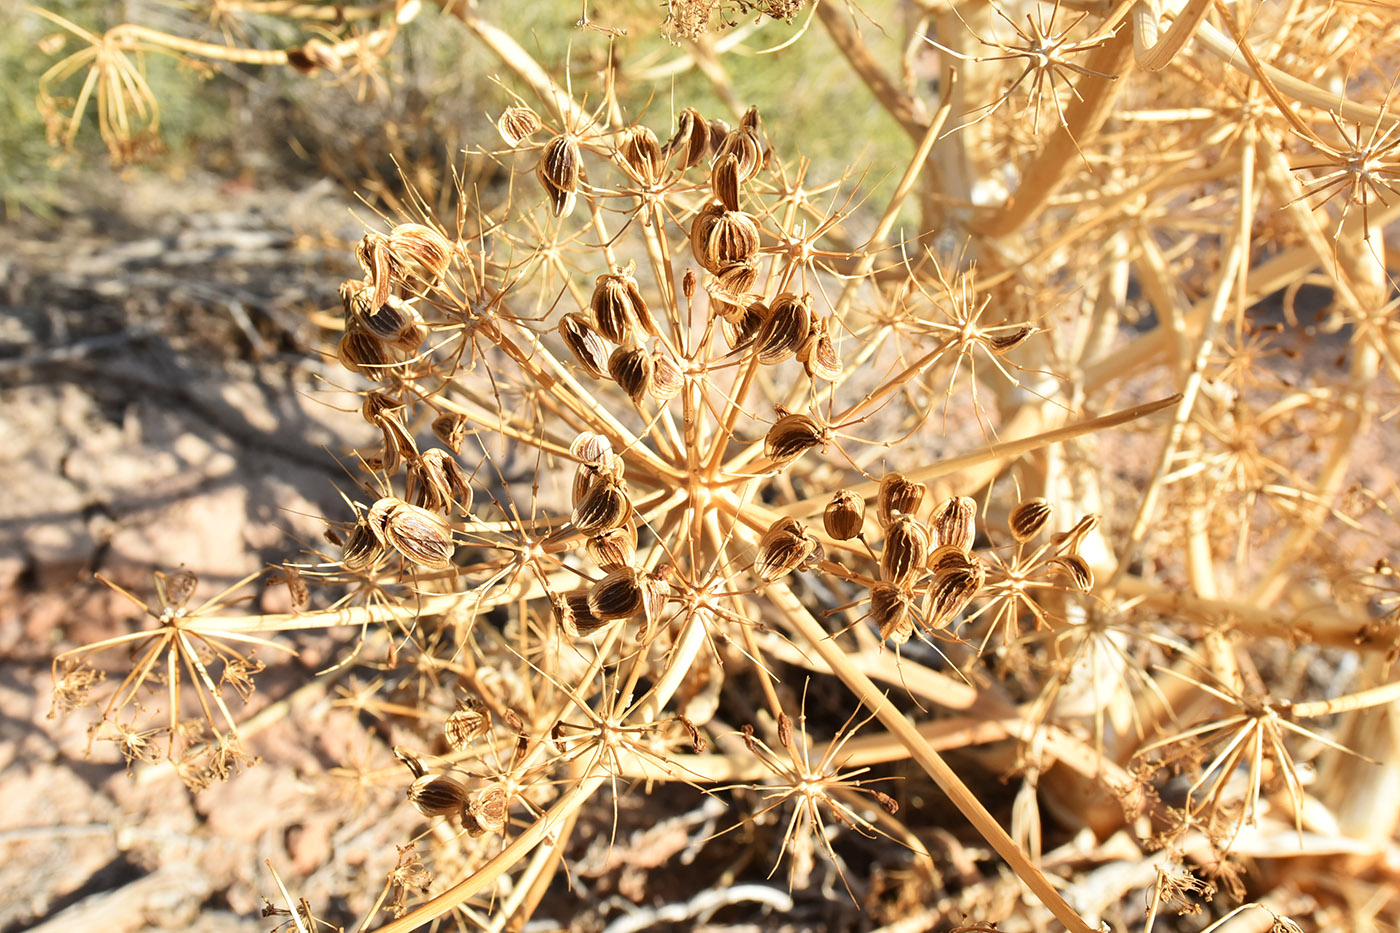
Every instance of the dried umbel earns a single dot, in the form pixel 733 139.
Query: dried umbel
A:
pixel 844 516
pixel 618 307
pixel 469 722
pixel 953 523
pixel 905 552
pixel 588 347
pixel 437 795
pixel 1029 518
pixel 517 124
pixel 785 330
pixel 632 368
pixel 421 536
pixel 900 494
pixel 786 546
pixel 559 170
pixel 792 436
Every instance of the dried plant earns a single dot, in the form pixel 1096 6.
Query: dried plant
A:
pixel 658 444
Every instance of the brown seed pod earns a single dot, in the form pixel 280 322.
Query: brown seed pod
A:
pixel 844 517
pixel 632 369
pixel 605 506
pixel 701 228
pixel 784 547
pixel 572 615
pixel 724 181
pixel 667 380
pixel 451 430
pixel 733 238
pixel 618 307
pixel 489 808
pixel 949 558
pixel 952 523
pixel 470 721
pixel 691 143
pixel 892 609
pixel 437 482
pixel 593 450
pixel 950 593
pixel 733 282
pixel 656 589
pixel 517 124
pixel 641 155
pixel 785 328
pixel 1028 518
pixel 420 248
pixel 421 536
pixel 363 353
pixel 437 795
pixel 792 436
pixel 688 284
pixel 619 595
pixel 785 731
pixel 585 343
pixel 361 550
pixel 818 353
pixel 1070 541
pixel 744 146
pixel 1005 341
pixel 398 442
pixel 1077 569
pixel 614 548
pixel 740 328
pixel 719 132
pixel 899 494
pixel 389 321
pixel 905 552
pixel 558 172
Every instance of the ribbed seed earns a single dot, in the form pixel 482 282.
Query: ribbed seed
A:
pixel 588 347
pixel 724 181
pixel 952 523
pixel 844 517
pixel 818 352
pixel 604 506
pixel 905 551
pixel 517 124
pixel 892 609
pixel 362 352
pixel 785 328
pixel 614 548
pixel 691 143
pixel 437 795
pixel 1077 569
pixel 470 721
pixel 667 380
pixel 791 437
pixel 489 809
pixel 632 369
pixel 899 494
pixel 741 327
pixel 619 595
pixel 558 172
pixel 437 482
pixel 641 155
pixel 1028 518
pixel 451 430
pixel 786 546
pixel 421 536
pixel 950 593
pixel 361 550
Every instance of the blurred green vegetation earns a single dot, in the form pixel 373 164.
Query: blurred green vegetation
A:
pixel 440 90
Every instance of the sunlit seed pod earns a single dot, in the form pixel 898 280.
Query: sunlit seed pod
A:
pixel 412 336
pixel 791 437
pixel 950 594
pixel 357 297
pixel 572 615
pixel 656 589
pixel 398 441
pixel 898 493
pixel 641 155
pixel 784 731
pixel 595 450
pixel 470 721
pixel 489 808
pixel 784 547
pixel 437 795
pixel 691 143
pixel 373 256
pixel 619 595
pixel 1028 518
pixel 362 549
pixel 724 182
pixel 744 146
pixel 375 404
pixel 613 549
pixel 688 284
pixel 892 610
pixel 440 482
pixel 719 132
pixel 558 172
pixel 611 307
pixel 953 523
pixel 818 352
pixel 949 558
pixel 363 353
pixel 420 247
pixel 785 329
pixel 741 328
pixel 667 380
pixel 451 430
pixel 1070 541
pixel 588 347
pixel 605 506
pixel 733 282
pixel 751 121
pixel 421 536
pixel 733 238
pixel 1077 569
pixel 844 517
pixel 890 805
pixel 517 124
pixel 388 321
pixel 1004 342
pixel 905 551
pixel 632 369
pixel 701 228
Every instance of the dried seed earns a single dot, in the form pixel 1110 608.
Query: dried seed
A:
pixel 885 800
pixel 362 353
pixel 949 558
pixel 950 593
pixel 398 442
pixel 785 730
pixel 362 549
pixel 437 795
pixel 595 450
pixel 744 146
pixel 732 283
pixel 688 284
pixel 420 246
pixel 733 238
pixel 818 353
pixel 1004 342
pixel 724 181
pixel 421 536
pixel 585 343
pixel 1029 518
pixel 701 228
pixel 844 517
pixel 632 369
pixel 641 155
pixel 618 307
pixel 1077 569
pixel 614 548
pixel 899 494
pixel 1070 541
pixel 892 609
pixel 619 595
pixel 489 808
pixel 785 328
pixel 437 482
pixel 952 523
pixel 573 615
pixel 470 721
pixel 605 506
pixel 517 124
pixel 451 430
pixel 791 437
pixel 667 380
pixel 905 551
pixel 784 547
pixel 692 140
pixel 558 172
pixel 742 327
pixel 656 589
